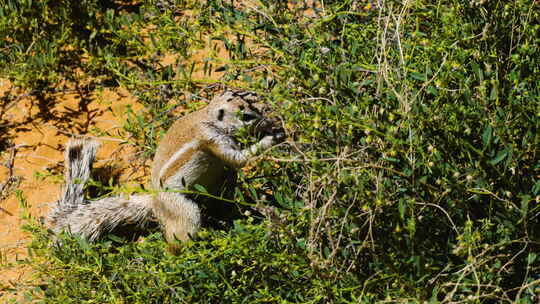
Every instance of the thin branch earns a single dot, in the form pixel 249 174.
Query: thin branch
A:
pixel 445 213
pixel 9 166
pixel 11 176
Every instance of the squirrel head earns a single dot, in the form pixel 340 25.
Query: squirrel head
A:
pixel 234 110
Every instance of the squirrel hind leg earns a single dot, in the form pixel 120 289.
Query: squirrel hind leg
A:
pixel 180 217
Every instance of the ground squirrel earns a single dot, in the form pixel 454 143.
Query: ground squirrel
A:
pixel 195 150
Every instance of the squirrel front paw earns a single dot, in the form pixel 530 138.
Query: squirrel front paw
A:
pixel 270 140
pixel 278 137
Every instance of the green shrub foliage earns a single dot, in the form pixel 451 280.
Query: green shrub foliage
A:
pixel 412 167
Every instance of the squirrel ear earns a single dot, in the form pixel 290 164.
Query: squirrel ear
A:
pixel 221 113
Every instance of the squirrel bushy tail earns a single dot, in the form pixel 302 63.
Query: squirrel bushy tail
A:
pixel 79 157
pixel 92 219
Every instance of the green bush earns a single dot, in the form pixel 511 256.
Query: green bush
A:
pixel 411 172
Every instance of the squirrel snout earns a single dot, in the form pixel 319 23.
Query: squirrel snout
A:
pixel 269 126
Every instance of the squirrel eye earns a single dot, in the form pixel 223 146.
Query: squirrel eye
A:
pixel 221 113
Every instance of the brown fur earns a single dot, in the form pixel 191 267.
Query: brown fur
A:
pixel 195 150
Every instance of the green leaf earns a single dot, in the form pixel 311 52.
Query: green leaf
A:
pixel 477 71
pixel 531 258
pixel 115 238
pixel 411 226
pixel 401 208
pixel 83 243
pixel 525 204
pixel 432 90
pixel 500 156
pixel 200 188
pixel 279 199
pixel 494 93
pixel 486 136
pixel 418 76
pixel 536 187
pixel 391 159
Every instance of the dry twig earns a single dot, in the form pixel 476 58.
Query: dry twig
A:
pixel 11 179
